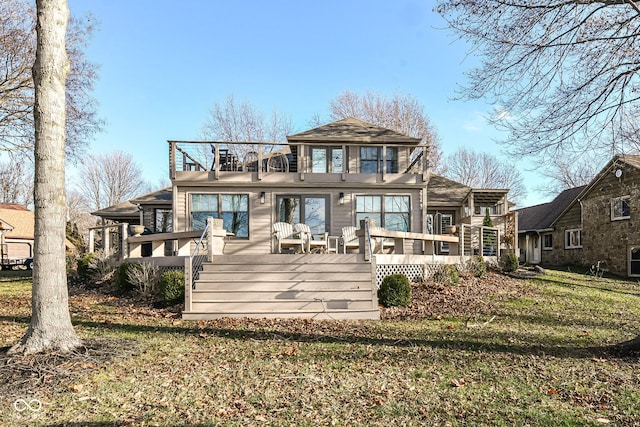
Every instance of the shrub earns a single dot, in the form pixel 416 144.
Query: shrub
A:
pixel 101 267
pixel 510 262
pixel 84 264
pixel 447 275
pixel 144 277
pixel 395 290
pixel 477 266
pixel 171 286
pixel 121 277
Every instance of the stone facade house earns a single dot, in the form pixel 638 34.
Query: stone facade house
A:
pixel 600 224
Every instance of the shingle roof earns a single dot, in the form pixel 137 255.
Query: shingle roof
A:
pixel 160 197
pixel 20 220
pixel 352 130
pixel 443 191
pixel 540 217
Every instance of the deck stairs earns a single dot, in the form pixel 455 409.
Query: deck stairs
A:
pixel 318 286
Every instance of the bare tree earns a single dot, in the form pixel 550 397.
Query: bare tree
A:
pixel 401 113
pixel 16 180
pixel 482 170
pixel 565 173
pixel 50 327
pixel 564 73
pixel 17 55
pixel 242 122
pixel 109 179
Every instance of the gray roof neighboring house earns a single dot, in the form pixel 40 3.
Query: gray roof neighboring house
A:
pixel 541 217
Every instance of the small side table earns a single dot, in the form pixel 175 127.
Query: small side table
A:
pixel 332 244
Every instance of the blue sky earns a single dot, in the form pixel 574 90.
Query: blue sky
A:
pixel 163 64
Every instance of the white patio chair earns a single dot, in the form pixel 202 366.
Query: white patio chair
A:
pixel 316 242
pixel 349 239
pixel 287 238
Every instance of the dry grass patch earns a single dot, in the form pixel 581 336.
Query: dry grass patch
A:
pixel 438 362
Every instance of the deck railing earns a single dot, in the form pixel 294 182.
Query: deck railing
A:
pixel 263 157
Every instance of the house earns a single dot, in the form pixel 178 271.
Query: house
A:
pixel 598 223
pixel 332 178
pixel 16 235
pixel 535 231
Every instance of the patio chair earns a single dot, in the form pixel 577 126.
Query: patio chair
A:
pixel 313 242
pixel 349 239
pixel 286 237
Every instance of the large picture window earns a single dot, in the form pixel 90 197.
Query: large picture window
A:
pixel 621 208
pixel 232 208
pixel 390 212
pixel 307 209
pixel 573 239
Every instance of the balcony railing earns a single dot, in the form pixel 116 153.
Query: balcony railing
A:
pixel 262 157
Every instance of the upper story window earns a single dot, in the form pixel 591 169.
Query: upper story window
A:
pixel 573 239
pixel 620 208
pixel 390 212
pixel 371 160
pixel 326 160
pixel 482 210
pixel 232 208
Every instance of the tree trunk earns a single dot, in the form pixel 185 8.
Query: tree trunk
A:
pixel 50 328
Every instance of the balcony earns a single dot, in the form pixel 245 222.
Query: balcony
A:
pixel 324 163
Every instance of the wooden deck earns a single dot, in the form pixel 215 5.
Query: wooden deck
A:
pixel 318 286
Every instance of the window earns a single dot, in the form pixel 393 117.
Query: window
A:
pixel 310 210
pixel 573 239
pixel 371 160
pixel 446 220
pixel 163 221
pixel 232 208
pixel 482 210
pixel 620 208
pixel 634 261
pixel 547 241
pixel 390 212
pixel 326 160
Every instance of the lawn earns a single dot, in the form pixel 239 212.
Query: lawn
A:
pixel 496 351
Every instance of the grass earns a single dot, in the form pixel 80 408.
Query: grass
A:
pixel 537 362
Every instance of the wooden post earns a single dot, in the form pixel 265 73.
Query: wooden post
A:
pixel 188 275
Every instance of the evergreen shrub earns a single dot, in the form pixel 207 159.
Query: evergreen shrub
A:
pixel 395 290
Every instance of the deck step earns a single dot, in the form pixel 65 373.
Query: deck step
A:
pixel 328 286
pixel 297 314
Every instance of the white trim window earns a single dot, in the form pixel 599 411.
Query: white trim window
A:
pixel 621 208
pixel 634 261
pixel 547 241
pixel 573 238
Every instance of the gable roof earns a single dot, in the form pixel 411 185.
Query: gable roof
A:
pixel 442 191
pixel 351 129
pixel 17 221
pixel 615 163
pixel 541 217
pixel 160 197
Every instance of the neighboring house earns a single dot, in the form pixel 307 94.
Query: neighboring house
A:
pixel 330 178
pixel 535 233
pixel 601 223
pixel 16 234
